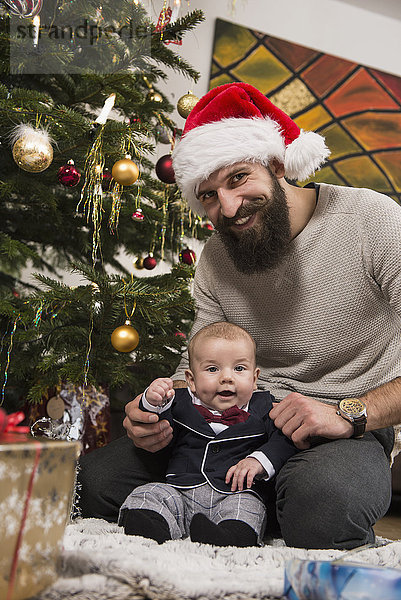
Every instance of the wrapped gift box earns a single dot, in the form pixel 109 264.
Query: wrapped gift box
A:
pixel 37 480
pixel 325 580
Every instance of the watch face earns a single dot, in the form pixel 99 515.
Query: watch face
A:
pixel 352 406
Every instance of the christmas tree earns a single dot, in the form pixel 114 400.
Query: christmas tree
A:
pixel 80 114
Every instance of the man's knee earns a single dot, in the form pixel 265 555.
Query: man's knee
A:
pixel 313 514
pixel 329 507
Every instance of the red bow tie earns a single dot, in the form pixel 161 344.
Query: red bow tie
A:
pixel 230 416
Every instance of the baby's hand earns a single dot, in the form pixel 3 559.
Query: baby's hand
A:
pixel 160 391
pixel 244 472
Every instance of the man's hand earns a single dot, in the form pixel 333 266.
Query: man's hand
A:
pixel 243 473
pixel 160 391
pixel 145 429
pixel 301 418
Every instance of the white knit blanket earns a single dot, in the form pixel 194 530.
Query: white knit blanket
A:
pixel 99 562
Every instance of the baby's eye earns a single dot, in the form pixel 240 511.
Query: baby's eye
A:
pixel 212 369
pixel 239 368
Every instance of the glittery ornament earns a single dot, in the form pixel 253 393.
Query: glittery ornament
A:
pixel 68 174
pixel 125 171
pixel 188 256
pixel 106 180
pixel 149 262
pixel 186 103
pixel 138 264
pixel 155 97
pixel 164 169
pixel 138 215
pixel 125 338
pixel 32 149
pixel 24 8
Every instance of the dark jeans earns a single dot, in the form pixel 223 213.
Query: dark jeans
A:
pixel 329 496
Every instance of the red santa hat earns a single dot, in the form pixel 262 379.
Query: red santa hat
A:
pixel 234 123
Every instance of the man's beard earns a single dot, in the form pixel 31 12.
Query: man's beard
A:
pixel 263 246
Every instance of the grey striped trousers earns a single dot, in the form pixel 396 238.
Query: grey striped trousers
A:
pixel 178 506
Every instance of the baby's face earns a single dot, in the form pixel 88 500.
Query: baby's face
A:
pixel 223 372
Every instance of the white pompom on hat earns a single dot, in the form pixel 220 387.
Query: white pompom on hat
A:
pixel 235 123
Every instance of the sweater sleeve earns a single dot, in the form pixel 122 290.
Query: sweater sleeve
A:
pixel 208 310
pixel 382 250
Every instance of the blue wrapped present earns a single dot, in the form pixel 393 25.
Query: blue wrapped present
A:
pixel 331 580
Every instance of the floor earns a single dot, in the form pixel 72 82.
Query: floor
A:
pixel 390 525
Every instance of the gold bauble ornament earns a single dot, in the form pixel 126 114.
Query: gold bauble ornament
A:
pixel 186 103
pixel 153 96
pixel 138 264
pixel 32 149
pixel 125 171
pixel 125 338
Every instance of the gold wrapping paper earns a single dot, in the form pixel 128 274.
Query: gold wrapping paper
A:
pixel 37 479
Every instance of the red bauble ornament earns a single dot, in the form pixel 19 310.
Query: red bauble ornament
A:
pixel 137 215
pixel 68 174
pixel 106 180
pixel 164 169
pixel 188 256
pixel 208 226
pixel 149 262
pixel 180 334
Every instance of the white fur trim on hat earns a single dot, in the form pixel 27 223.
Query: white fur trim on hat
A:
pixel 207 148
pixel 305 155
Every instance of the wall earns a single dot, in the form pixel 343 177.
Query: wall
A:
pixel 364 31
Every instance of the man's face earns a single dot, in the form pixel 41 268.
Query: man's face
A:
pixel 248 206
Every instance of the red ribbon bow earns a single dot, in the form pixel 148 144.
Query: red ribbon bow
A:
pixel 10 423
pixel 230 416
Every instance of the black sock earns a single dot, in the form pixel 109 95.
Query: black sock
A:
pixel 227 533
pixel 146 523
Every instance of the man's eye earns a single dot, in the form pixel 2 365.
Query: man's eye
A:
pixel 237 177
pixel 207 197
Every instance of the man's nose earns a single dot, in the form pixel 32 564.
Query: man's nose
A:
pixel 229 203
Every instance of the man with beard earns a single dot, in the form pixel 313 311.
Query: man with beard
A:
pixel 313 275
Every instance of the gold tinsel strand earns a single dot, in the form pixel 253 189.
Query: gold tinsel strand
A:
pixel 91 195
pixel 164 224
pixel 115 207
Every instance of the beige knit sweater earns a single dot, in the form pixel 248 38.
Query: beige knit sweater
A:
pixel 327 321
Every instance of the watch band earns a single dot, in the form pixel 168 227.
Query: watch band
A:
pixel 359 427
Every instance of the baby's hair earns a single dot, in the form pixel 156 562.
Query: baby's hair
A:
pixel 221 329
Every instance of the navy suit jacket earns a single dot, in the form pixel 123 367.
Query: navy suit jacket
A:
pixel 199 455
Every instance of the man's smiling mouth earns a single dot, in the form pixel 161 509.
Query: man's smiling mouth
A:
pixel 244 222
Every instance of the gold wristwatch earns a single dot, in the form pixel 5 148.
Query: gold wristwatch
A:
pixel 354 411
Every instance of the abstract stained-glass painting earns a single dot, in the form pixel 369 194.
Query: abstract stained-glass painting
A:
pixel 356 108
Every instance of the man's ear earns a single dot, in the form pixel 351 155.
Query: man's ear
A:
pixel 190 380
pixel 277 168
